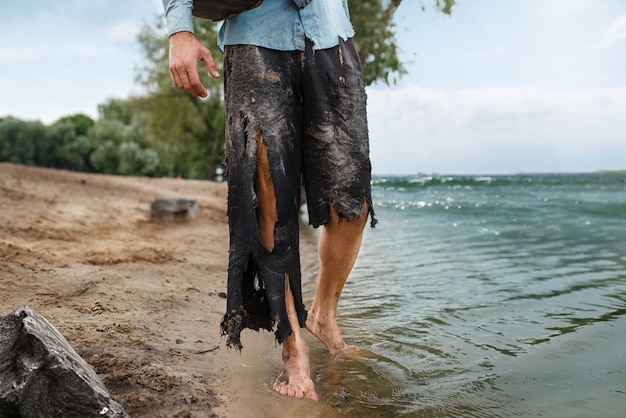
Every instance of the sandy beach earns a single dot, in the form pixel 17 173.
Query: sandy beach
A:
pixel 140 301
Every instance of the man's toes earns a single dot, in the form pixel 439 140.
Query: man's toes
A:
pixel 279 387
pixel 312 395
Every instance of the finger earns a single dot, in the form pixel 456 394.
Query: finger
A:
pixel 175 78
pixel 179 76
pixel 210 63
pixel 183 78
pixel 194 84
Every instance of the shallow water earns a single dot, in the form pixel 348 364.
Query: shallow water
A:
pixel 481 296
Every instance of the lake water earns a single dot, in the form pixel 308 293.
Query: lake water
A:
pixel 483 297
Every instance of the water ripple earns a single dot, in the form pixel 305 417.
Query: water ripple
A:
pixel 486 297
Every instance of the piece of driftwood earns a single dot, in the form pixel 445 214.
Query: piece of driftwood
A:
pixel 42 376
pixel 173 208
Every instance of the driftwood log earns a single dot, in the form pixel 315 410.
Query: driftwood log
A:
pixel 42 376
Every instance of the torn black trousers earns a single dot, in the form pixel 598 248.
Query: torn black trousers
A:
pixel 309 109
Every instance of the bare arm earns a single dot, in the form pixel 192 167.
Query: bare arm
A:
pixel 185 54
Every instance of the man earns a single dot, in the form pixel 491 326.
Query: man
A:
pixel 295 109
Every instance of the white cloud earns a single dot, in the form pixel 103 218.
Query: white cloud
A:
pixel 496 130
pixel 616 32
pixel 16 52
pixel 68 56
pixel 76 30
pixel 565 8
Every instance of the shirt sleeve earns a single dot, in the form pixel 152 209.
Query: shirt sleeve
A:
pixel 178 15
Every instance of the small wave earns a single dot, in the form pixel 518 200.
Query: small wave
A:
pixel 603 179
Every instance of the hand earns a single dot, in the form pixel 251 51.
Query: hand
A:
pixel 185 54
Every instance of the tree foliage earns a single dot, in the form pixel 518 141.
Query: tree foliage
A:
pixel 121 148
pixel 80 122
pixel 76 142
pixel 375 40
pixel 70 147
pixel 376 37
pixel 59 145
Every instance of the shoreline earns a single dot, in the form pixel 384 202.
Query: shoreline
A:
pixel 140 301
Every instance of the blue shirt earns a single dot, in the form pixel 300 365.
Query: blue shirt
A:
pixel 275 24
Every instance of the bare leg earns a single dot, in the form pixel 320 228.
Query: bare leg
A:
pixel 295 380
pixel 338 249
pixel 264 186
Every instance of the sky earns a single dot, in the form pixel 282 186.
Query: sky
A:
pixel 500 87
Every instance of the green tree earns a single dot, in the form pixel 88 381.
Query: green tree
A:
pixel 118 109
pixel 375 40
pixel 187 132
pixel 71 148
pixel 77 143
pixel 121 149
pixel 32 143
pixel 79 121
pixel 24 142
pixel 376 37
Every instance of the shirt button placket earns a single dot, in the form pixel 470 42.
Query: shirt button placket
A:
pixel 299 36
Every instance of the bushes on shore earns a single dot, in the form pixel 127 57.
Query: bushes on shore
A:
pixel 79 143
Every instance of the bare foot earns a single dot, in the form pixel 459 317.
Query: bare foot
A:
pixel 327 332
pixel 295 380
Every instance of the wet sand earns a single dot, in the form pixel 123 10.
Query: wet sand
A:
pixel 140 301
